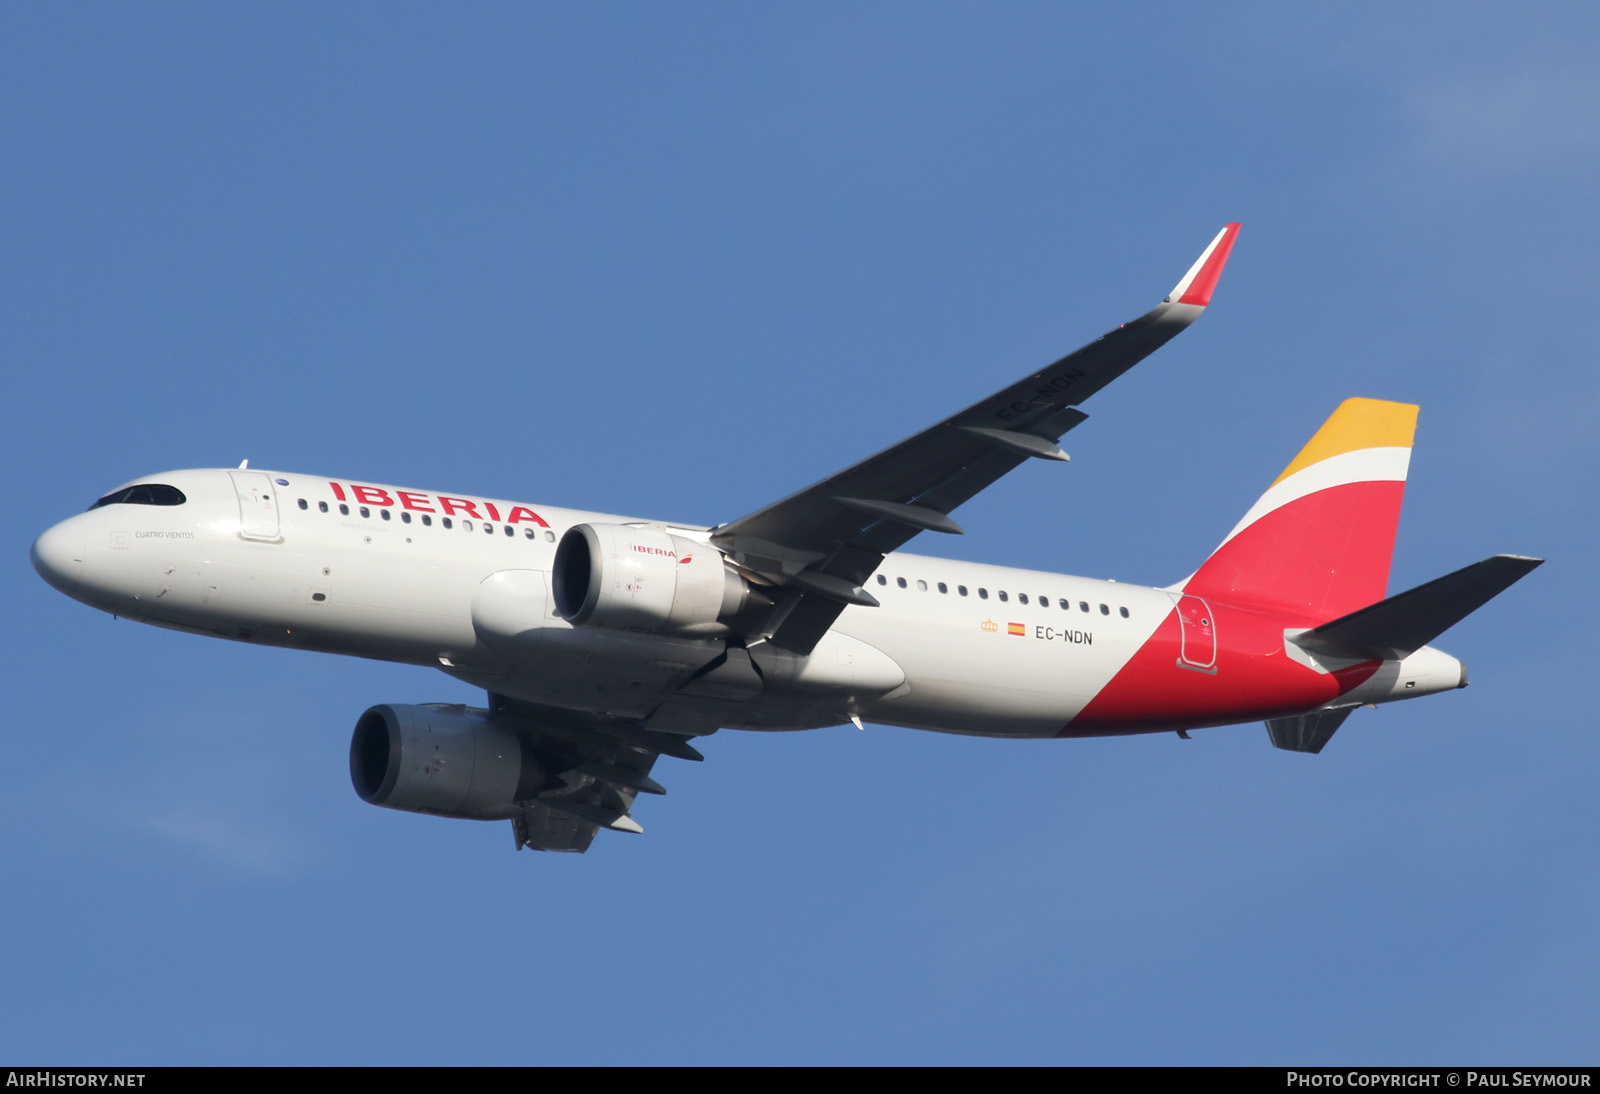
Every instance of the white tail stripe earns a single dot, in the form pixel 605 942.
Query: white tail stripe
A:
pixel 1362 465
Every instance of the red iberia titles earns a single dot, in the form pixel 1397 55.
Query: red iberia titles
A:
pixel 421 502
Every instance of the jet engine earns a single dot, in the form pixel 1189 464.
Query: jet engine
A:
pixel 444 760
pixel 643 579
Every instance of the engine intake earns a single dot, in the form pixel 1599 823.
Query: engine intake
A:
pixel 444 760
pixel 643 579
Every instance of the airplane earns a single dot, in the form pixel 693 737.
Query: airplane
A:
pixel 604 642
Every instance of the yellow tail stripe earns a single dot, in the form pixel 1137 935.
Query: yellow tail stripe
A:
pixel 1357 424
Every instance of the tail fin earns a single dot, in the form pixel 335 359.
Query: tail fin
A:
pixel 1320 539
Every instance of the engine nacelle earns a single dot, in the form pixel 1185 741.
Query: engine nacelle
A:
pixel 645 579
pixel 444 760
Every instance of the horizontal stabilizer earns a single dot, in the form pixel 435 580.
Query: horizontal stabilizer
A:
pixel 1399 626
pixel 1306 732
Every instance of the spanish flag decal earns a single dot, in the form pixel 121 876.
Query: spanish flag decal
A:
pixel 1017 629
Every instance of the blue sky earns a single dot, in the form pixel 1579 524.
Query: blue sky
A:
pixel 677 261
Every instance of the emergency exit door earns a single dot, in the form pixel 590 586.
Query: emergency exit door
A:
pixel 1198 635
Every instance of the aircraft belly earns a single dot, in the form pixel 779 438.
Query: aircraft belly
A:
pixel 611 671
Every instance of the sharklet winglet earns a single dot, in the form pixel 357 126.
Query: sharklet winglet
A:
pixel 1201 280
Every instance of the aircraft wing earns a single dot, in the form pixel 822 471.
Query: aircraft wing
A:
pixel 593 769
pixel 819 546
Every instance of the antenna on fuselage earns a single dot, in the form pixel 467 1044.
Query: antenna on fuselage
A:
pixel 243 464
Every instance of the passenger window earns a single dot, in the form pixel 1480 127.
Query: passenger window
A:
pixel 962 589
pixel 384 513
pixel 426 520
pixel 1022 598
pixel 303 504
pixel 510 531
pixel 405 518
pixel 1124 612
pixel 550 537
pixel 1104 610
pixel 983 594
pixel 1083 605
pixel 322 507
pixel 882 580
pixel 922 586
pixel 943 588
pixel 366 514
pixel 466 526
pixel 900 581
pixel 344 510
pixel 446 522
pixel 1066 605
pixel 1002 595
pixel 529 533
pixel 488 528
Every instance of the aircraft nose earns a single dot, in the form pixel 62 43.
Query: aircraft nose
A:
pixel 58 555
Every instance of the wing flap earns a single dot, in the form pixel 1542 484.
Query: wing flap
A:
pixel 541 828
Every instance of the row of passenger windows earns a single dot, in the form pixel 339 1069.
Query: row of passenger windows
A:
pixel 529 532
pixel 533 533
pixel 1003 596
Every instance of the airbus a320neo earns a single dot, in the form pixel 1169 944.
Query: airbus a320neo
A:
pixel 606 641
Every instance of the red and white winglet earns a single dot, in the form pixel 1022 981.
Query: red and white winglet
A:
pixel 1198 284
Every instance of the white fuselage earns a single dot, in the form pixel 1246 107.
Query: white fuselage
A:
pixel 268 557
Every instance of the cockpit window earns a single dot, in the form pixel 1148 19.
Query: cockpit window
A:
pixel 146 493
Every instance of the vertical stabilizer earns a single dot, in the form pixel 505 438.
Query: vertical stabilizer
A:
pixel 1320 539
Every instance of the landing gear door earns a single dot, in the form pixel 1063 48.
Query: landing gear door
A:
pixel 1198 634
pixel 258 506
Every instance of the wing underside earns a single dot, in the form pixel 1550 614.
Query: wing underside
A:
pixel 596 770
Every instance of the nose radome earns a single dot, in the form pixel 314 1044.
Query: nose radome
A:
pixel 58 555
